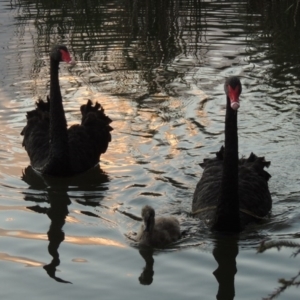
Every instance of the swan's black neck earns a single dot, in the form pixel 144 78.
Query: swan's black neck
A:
pixel 58 160
pixel 227 214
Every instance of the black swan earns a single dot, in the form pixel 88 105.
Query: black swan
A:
pixel 232 192
pixel 157 232
pixel 53 148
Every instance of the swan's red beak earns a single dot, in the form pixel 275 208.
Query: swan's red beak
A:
pixel 65 56
pixel 234 94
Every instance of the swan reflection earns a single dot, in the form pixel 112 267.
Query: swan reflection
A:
pixel 57 213
pixel 146 276
pixel 225 253
pixel 57 196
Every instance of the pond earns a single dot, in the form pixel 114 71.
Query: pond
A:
pixel 158 69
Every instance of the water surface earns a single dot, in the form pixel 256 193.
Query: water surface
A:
pixel 158 70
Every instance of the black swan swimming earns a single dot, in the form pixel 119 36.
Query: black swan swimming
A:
pixel 157 232
pixel 53 148
pixel 232 192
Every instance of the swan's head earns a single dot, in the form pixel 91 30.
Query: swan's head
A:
pixel 233 89
pixel 61 53
pixel 148 215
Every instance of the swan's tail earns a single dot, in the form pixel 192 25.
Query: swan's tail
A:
pixel 90 113
pixel 219 157
pixel 253 161
pixel 258 164
pixel 41 111
pixel 36 133
pixel 36 117
pixel 94 118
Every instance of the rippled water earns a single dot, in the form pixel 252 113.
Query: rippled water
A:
pixel 159 73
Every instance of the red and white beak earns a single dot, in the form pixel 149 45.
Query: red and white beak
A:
pixel 65 56
pixel 233 95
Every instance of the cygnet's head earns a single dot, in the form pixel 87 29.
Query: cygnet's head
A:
pixel 148 215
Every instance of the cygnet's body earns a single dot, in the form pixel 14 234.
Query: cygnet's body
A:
pixel 157 232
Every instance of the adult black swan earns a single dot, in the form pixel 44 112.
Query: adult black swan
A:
pixel 232 192
pixel 53 148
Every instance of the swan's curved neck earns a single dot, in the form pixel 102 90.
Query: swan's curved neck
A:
pixel 227 215
pixel 58 153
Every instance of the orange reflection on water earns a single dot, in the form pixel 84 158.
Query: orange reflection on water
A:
pixel 71 219
pixel 83 240
pixel 23 234
pixel 79 240
pixel 21 260
pixel 13 208
pixel 79 260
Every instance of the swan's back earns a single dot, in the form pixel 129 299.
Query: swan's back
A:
pixel 86 141
pixel 163 230
pixel 254 195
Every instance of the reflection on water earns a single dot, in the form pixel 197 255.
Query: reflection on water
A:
pixel 57 213
pixel 277 22
pixel 225 253
pixel 283 282
pixel 59 200
pixel 143 54
pixel 158 68
pixel 146 276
